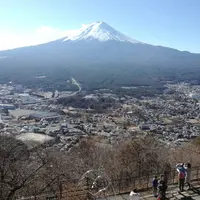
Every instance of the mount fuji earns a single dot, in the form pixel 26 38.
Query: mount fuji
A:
pixel 99 56
pixel 100 31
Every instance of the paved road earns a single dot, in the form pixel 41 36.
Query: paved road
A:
pixel 74 82
pixel 193 194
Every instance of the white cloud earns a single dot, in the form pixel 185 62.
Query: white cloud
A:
pixel 83 26
pixel 10 40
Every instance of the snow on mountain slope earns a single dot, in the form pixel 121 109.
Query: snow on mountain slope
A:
pixel 99 31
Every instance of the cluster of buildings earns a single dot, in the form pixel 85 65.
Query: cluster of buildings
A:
pixel 173 117
pixel 34 117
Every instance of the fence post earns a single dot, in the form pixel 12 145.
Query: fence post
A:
pixel 147 181
pixel 126 181
pixel 60 190
pixel 87 186
pixel 119 185
pixel 173 176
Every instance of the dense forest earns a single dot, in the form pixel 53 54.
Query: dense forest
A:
pixel 100 77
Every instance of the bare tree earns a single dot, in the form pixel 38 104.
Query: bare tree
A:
pixel 24 171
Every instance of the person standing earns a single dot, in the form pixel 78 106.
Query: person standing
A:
pixel 134 195
pixel 188 175
pixel 162 188
pixel 155 186
pixel 166 174
pixel 181 176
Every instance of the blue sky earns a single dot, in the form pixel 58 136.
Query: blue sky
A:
pixel 172 23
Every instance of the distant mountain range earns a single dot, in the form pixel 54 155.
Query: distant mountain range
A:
pixel 99 56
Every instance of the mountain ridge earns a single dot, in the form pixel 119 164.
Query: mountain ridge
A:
pixel 73 37
pixel 95 54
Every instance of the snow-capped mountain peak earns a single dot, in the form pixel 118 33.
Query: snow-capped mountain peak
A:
pixel 99 31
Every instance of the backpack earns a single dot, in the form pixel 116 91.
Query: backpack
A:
pixel 181 175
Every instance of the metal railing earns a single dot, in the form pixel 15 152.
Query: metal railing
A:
pixel 70 191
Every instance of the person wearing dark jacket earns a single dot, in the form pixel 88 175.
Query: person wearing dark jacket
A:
pixel 162 187
pixel 166 174
pixel 155 186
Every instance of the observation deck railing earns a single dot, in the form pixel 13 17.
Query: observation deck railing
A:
pixel 69 190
